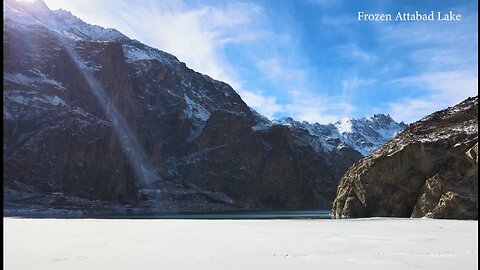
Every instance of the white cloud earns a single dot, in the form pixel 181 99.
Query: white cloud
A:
pixel 354 83
pixel 301 107
pixel 444 58
pixel 410 110
pixel 445 84
pixel 442 61
pixel 302 103
pixel 352 51
pixel 279 72
pixel 444 89
pixel 319 109
pixel 438 64
pixel 198 36
pixel 430 34
pixel 195 35
pixel 266 105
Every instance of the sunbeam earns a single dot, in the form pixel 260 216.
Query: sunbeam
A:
pixel 130 146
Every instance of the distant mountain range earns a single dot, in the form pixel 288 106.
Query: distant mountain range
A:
pixel 95 121
pixel 363 135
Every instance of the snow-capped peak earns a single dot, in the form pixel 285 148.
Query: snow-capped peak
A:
pixel 62 21
pixel 344 125
pixel 285 121
pixel 364 134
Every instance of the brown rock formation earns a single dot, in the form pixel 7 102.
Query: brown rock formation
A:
pixel 429 170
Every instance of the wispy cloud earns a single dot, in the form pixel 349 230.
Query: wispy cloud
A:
pixel 285 60
pixel 442 66
pixel 280 72
pixel 199 36
pixel 266 105
pixel 303 108
pixel 302 100
pixel 353 52
pixel 354 83
pixel 410 110
pixel 447 84
pixel 442 89
pixel 196 35
pixel 319 109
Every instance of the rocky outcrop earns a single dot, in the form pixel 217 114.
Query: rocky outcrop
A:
pixel 429 170
pixel 452 192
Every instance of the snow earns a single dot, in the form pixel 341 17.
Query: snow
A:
pixel 55 101
pixel 87 65
pixel 262 122
pixel 344 125
pixel 26 80
pixel 465 128
pixel 195 110
pixel 285 121
pixel 468 129
pixel 60 21
pixel 133 53
pixel 31 98
pixel 376 243
pixel 261 126
pixel 364 135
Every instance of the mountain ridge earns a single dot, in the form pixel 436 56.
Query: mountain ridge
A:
pixel 86 118
pixel 363 134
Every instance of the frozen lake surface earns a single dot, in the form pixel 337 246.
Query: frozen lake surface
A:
pixel 376 243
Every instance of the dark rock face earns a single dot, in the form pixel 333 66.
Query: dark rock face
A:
pixel 429 170
pixel 90 114
pixel 258 169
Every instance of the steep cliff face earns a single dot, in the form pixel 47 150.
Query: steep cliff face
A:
pixel 429 170
pixel 93 118
pixel 55 134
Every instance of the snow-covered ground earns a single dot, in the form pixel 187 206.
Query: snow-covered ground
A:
pixel 240 244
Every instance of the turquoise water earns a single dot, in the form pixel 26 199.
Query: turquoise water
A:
pixel 325 214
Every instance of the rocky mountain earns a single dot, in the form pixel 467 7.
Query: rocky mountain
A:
pixel 429 170
pixel 95 121
pixel 364 134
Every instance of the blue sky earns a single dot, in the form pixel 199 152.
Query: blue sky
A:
pixel 310 59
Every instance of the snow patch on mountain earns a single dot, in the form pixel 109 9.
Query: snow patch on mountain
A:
pixel 450 116
pixel 133 54
pixel 195 110
pixel 344 125
pixel 262 122
pixel 28 81
pixel 32 98
pixel 61 21
pixel 364 134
